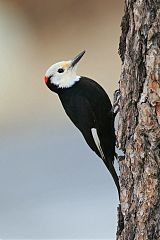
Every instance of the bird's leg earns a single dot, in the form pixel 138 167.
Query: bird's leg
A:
pixel 116 98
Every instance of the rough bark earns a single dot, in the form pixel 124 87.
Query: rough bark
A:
pixel 139 120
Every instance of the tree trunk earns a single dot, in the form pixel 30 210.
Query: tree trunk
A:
pixel 139 120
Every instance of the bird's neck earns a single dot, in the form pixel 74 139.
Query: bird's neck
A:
pixel 68 81
pixel 64 85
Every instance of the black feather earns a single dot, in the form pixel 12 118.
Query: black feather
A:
pixel 88 106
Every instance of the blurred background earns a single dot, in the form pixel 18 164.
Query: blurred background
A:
pixel 51 184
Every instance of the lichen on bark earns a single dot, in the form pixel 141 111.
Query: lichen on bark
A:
pixel 139 120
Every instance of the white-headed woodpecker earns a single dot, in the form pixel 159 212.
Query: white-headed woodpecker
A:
pixel 89 108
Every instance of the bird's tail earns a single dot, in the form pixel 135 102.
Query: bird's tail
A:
pixel 109 164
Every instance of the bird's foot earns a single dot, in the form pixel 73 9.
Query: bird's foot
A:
pixel 121 158
pixel 116 99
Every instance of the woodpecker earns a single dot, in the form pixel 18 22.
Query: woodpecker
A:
pixel 88 106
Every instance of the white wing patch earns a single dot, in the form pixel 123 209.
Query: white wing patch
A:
pixel 97 141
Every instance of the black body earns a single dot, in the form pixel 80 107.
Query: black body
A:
pixel 88 106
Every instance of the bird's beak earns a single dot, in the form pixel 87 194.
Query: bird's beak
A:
pixel 76 59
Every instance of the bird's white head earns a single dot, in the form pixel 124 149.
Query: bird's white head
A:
pixel 63 74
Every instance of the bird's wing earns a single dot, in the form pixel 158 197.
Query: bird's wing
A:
pixel 81 114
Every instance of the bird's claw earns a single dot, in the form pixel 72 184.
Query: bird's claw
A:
pixel 121 158
pixel 116 99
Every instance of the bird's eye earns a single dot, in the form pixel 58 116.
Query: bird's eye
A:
pixel 60 70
